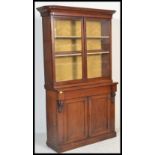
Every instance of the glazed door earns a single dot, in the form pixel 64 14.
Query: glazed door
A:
pixel 68 49
pixel 99 115
pixel 98 47
pixel 75 119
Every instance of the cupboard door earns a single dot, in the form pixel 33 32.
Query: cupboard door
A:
pixel 98 115
pixel 98 47
pixel 68 48
pixel 75 119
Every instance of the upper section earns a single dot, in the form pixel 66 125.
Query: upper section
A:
pixel 65 10
pixel 77 46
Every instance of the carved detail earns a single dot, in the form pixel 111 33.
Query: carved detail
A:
pixel 60 105
pixel 113 94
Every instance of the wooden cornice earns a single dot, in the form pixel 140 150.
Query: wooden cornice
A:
pixel 60 10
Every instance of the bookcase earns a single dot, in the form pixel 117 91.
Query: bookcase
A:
pixel 80 92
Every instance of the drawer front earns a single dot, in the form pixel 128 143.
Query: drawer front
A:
pixel 87 92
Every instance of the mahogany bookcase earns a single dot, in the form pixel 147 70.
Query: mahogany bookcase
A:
pixel 80 93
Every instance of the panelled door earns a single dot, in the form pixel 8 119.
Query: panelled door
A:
pixel 89 116
pixel 75 119
pixel 99 115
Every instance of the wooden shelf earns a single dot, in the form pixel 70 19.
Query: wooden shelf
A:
pixel 93 53
pixel 97 37
pixel 78 37
pixel 67 37
pixel 97 50
pixel 66 54
pixel 63 54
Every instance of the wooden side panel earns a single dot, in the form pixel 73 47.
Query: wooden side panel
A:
pixel 75 119
pixel 98 115
pixel 112 108
pixel 47 50
pixel 51 117
pixel 112 116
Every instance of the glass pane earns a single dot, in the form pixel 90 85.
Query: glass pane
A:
pixel 94 66
pixel 98 65
pixel 67 27
pixel 98 48
pixel 68 68
pixel 67 35
pixel 93 28
pixel 67 45
pixel 94 44
pixel 98 35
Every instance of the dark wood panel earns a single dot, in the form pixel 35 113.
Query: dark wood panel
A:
pixel 88 84
pixel 112 117
pixel 48 65
pixel 86 92
pixel 75 119
pixel 98 115
pixel 51 117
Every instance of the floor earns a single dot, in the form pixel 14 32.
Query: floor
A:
pixel 107 146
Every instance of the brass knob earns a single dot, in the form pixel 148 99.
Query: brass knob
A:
pixel 61 92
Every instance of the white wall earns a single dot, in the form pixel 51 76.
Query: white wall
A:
pixel 40 115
